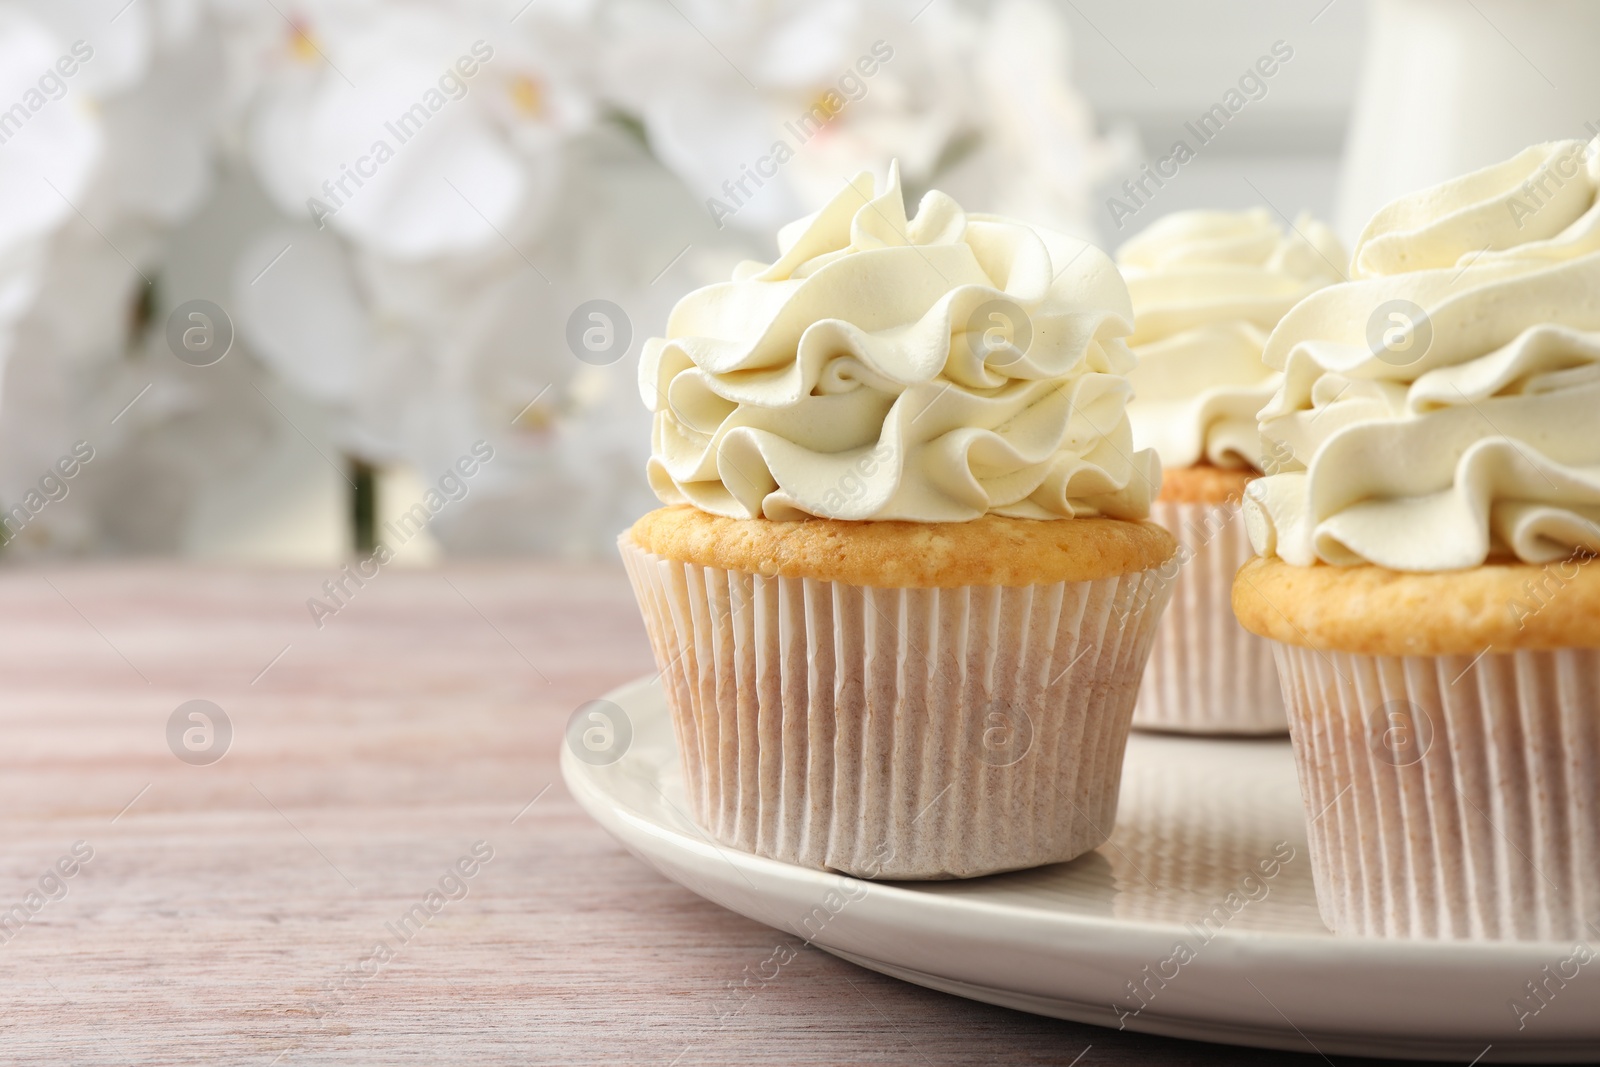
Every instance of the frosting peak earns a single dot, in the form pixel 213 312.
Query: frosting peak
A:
pixel 930 369
pixel 1439 410
pixel 1207 288
pixel 1539 204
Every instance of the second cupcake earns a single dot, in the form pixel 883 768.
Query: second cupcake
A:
pixel 903 591
pixel 1207 288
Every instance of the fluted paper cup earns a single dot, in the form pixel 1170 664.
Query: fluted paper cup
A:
pixel 898 733
pixel 1207 674
pixel 1451 797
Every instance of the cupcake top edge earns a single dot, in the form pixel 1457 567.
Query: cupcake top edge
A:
pixel 1438 411
pixel 994 550
pixel 932 368
pixel 1207 288
pixel 1375 611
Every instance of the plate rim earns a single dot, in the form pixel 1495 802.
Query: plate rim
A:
pixel 1400 958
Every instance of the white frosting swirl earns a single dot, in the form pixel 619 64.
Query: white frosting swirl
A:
pixel 863 375
pixel 1207 288
pixel 1473 434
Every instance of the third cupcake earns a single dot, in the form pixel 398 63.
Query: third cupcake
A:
pixel 1426 575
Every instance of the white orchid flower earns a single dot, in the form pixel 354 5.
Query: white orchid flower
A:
pixel 50 139
pixel 92 179
pixel 1044 156
pixel 50 142
pixel 414 129
pixel 763 110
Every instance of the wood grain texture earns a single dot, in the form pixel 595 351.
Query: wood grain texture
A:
pixel 223 901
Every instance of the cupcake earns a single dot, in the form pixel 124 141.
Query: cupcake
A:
pixel 902 590
pixel 1207 288
pixel 1425 572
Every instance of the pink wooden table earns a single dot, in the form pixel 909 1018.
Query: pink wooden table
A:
pixel 231 911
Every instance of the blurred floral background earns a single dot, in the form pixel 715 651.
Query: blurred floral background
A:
pixel 277 266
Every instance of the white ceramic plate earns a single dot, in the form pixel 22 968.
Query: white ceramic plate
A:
pixel 1074 940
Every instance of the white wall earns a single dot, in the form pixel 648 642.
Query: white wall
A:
pixel 1155 64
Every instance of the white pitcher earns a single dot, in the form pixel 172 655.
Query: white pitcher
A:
pixel 1451 85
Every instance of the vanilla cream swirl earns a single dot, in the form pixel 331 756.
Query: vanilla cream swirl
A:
pixel 1474 433
pixel 1207 288
pixel 935 369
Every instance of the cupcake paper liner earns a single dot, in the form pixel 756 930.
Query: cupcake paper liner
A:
pixel 898 733
pixel 1207 674
pixel 1449 797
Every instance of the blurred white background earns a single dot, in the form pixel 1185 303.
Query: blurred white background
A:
pixel 390 308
